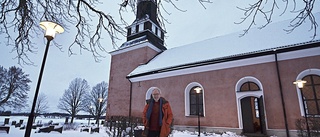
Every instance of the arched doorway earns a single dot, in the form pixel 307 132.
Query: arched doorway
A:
pixel 251 111
pixel 253 116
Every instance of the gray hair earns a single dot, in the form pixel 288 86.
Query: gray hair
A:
pixel 155 88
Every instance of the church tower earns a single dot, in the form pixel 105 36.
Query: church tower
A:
pixel 145 40
pixel 146 26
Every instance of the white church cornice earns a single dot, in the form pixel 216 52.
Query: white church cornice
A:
pixel 198 68
pixel 135 46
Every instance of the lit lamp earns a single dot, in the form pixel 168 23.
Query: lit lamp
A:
pixel 51 29
pixel 100 102
pixel 198 91
pixel 300 84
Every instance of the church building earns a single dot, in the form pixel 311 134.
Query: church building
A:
pixel 239 84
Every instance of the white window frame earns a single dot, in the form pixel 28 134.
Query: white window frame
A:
pixel 304 73
pixel 187 98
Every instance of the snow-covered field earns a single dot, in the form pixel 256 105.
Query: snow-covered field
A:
pixel 16 132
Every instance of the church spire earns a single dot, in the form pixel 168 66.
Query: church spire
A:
pixel 147 8
pixel 146 27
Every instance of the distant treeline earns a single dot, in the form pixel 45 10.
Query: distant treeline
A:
pixel 54 114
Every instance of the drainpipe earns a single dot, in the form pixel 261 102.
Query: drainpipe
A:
pixel 281 93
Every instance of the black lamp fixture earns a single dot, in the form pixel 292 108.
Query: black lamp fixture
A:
pixel 100 105
pixel 51 29
pixel 198 91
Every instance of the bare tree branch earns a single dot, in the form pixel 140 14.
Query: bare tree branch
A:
pixel 74 98
pixel 19 21
pixel 14 87
pixel 303 15
pixel 41 105
pixel 259 8
pixel 94 106
pixel 160 9
pixel 19 24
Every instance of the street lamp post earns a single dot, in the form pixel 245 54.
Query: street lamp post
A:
pixel 90 109
pixel 100 102
pixel 89 121
pixel 300 84
pixel 198 91
pixel 51 29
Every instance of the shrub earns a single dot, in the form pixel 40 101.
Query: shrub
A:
pixel 314 127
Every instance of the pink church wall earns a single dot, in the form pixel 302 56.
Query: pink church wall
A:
pixel 220 96
pixel 119 86
pixel 289 72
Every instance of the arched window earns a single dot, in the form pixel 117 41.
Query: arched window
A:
pixel 249 86
pixel 196 101
pixel 190 97
pixel 311 94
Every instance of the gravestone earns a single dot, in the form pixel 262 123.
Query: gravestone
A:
pixel 6 120
pixel 13 123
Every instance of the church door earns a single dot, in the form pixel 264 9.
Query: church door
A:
pixel 252 109
pixel 262 116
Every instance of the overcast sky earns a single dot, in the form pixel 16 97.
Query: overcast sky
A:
pixel 196 24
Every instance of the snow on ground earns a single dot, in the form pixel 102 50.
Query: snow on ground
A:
pixel 16 132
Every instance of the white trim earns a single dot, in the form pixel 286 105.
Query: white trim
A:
pixel 231 64
pixel 136 46
pixel 159 33
pixel 142 21
pixel 304 73
pixel 133 30
pixel 299 54
pixel 153 28
pixel 141 27
pixel 246 79
pixel 241 95
pixel 187 98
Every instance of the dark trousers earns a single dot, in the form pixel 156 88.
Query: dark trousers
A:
pixel 153 133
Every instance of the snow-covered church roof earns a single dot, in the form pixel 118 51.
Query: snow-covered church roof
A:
pixel 271 37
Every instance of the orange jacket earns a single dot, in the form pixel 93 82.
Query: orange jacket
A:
pixel 166 120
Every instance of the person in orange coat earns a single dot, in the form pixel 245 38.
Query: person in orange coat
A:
pixel 157 116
